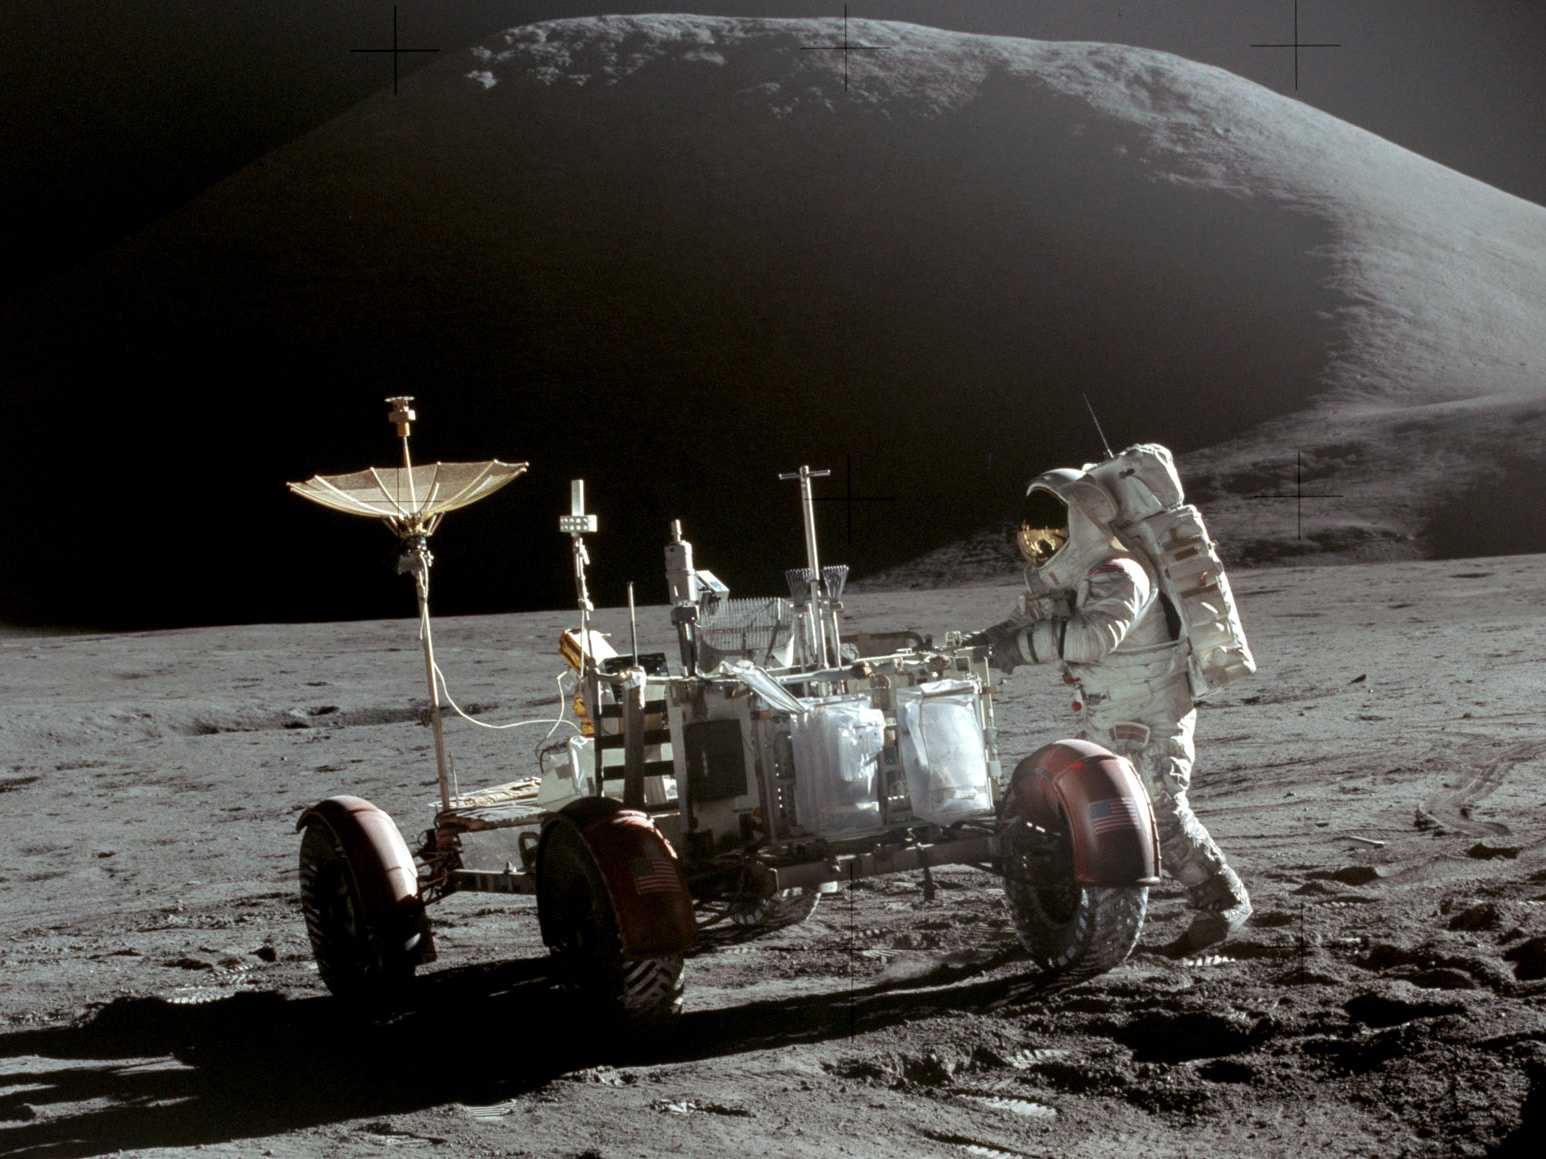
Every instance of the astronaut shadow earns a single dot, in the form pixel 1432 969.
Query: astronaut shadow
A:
pixel 154 1073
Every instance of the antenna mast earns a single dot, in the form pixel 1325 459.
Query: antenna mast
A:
pixel 416 560
pixel 1096 421
pixel 812 561
pixel 575 525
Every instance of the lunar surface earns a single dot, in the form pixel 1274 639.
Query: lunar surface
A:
pixel 1378 784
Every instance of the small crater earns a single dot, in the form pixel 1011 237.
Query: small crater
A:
pixel 1372 1009
pixel 213 723
pixel 187 964
pixel 1442 978
pixel 1227 1070
pixel 1484 852
pixel 1167 1036
pixel 1318 889
pixel 1482 916
pixel 1307 976
pixel 1273 919
pixel 1351 874
pixel 1529 959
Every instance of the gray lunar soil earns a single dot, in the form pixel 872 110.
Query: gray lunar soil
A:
pixel 1378 784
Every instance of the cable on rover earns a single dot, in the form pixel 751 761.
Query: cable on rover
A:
pixel 555 722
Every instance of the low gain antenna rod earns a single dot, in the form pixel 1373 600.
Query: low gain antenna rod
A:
pixel 416 560
pixel 633 626
pixel 808 513
pixel 1096 421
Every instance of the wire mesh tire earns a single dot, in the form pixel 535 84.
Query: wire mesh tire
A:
pixel 787 907
pixel 1071 930
pixel 359 962
pixel 582 933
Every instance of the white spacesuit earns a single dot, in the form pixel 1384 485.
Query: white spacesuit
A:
pixel 1096 607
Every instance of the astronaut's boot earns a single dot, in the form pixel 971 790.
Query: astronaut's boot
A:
pixel 1222 907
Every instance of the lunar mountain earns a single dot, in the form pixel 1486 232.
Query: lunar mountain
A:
pixel 680 254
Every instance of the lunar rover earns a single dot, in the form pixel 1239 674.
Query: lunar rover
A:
pixel 774 761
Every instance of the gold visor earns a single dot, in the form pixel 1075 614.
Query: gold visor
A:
pixel 1039 544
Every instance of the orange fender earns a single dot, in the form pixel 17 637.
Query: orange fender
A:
pixel 385 876
pixel 1109 818
pixel 641 871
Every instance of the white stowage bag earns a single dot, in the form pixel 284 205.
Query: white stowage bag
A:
pixel 573 779
pixel 942 750
pixel 837 745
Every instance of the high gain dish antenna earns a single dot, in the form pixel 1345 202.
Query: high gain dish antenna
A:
pixel 411 501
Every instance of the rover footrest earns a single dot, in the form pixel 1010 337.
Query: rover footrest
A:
pixel 497 807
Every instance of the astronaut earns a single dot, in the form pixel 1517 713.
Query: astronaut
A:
pixel 1096 607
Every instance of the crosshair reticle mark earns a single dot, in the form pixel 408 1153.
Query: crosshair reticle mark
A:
pixel 1297 494
pixel 1296 44
pixel 394 50
pixel 845 48
pixel 848 498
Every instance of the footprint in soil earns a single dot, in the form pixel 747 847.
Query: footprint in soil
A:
pixel 1180 1036
pixel 1273 919
pixel 1381 1010
pixel 1481 851
pixel 1433 969
pixel 1482 916
pixel 1351 875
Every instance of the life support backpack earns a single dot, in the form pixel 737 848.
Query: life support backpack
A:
pixel 1152 518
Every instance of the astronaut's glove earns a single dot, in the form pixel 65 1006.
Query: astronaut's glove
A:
pixel 1003 641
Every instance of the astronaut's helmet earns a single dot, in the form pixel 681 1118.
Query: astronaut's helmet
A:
pixel 1043 528
pixel 1064 527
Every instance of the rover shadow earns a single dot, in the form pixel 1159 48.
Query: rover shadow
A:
pixel 260 1063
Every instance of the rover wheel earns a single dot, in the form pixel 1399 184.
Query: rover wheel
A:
pixel 787 907
pixel 1074 931
pixel 583 935
pixel 357 962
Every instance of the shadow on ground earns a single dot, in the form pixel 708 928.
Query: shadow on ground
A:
pixel 259 1063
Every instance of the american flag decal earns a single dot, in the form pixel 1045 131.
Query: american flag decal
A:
pixel 655 872
pixel 1113 813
